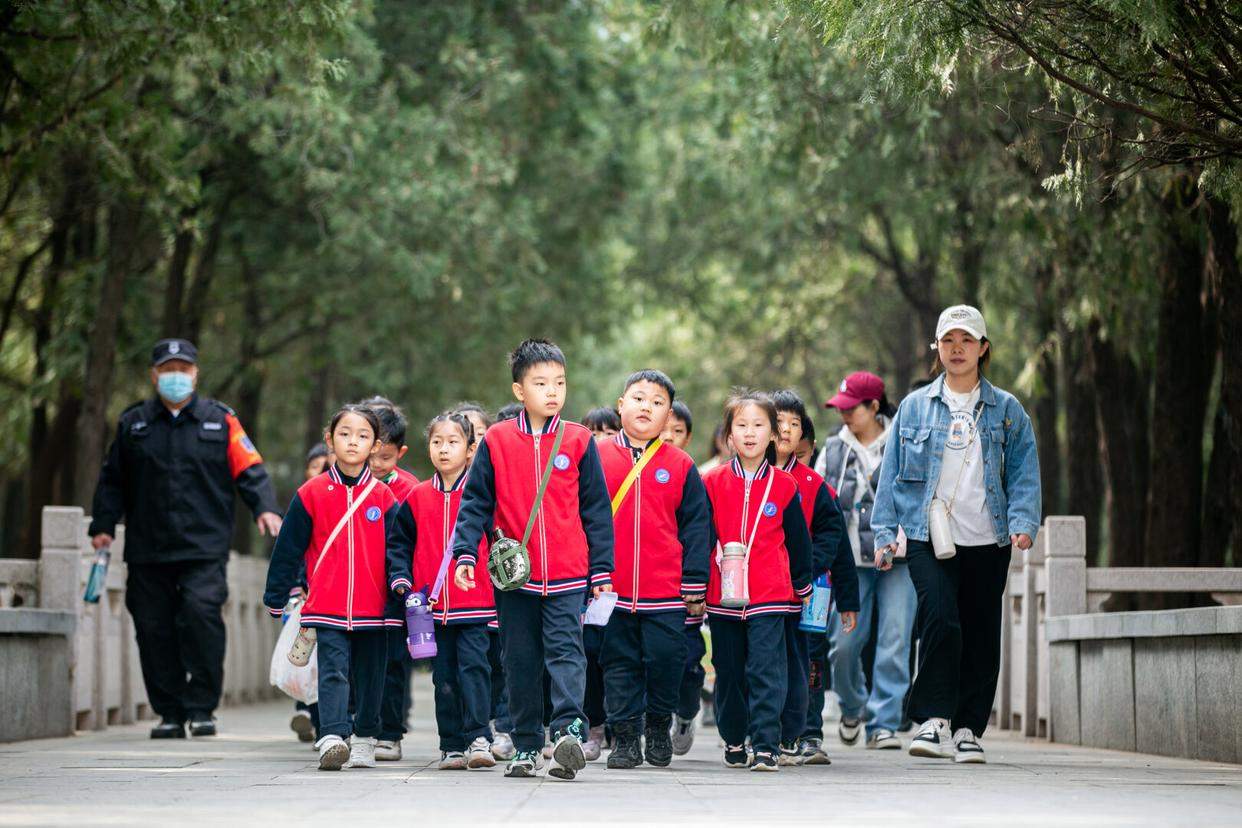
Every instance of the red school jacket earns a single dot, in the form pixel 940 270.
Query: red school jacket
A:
pixel 434 512
pixel 572 542
pixel 660 530
pixel 348 589
pixel 780 560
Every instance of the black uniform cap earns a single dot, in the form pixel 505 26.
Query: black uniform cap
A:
pixel 166 349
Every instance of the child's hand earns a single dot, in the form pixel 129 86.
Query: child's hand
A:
pixel 849 620
pixel 601 589
pixel 694 605
pixel 401 590
pixel 463 576
pixel 1021 541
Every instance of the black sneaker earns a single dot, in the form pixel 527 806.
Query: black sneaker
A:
pixel 568 756
pixel 203 727
pixel 628 751
pixel 791 753
pixel 736 756
pixel 525 765
pixel 168 730
pixel 659 747
pixel 763 761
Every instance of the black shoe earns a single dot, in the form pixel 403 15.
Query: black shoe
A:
pixel 203 727
pixel 763 761
pixel 628 751
pixel 659 750
pixel 168 730
pixel 736 756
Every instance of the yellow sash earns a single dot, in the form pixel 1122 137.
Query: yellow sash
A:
pixel 652 448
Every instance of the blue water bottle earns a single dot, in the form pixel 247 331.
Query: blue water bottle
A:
pixel 815 611
pixel 99 575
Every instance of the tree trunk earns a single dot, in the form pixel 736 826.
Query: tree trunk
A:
pixel 250 390
pixel 1083 449
pixel 174 288
pixel 1048 405
pixel 125 253
pixel 1225 276
pixel 1181 375
pixel 1121 396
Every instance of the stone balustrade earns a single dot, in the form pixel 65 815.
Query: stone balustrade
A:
pixel 71 666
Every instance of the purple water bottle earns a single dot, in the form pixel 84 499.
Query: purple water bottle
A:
pixel 420 626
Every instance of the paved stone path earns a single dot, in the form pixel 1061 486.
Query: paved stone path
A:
pixel 257 773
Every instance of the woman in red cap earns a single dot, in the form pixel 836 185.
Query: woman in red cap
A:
pixel 850 462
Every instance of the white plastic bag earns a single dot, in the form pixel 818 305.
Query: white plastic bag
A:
pixel 300 683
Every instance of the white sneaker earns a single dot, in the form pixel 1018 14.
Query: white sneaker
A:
pixel 933 741
pixel 682 735
pixel 502 747
pixel 388 751
pixel 479 755
pixel 333 753
pixel 361 752
pixel 452 760
pixel 883 739
pixel 968 749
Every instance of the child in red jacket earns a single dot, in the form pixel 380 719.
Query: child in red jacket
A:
pixel 660 528
pixel 460 673
pixel 757 505
pixel 337 526
pixel 570 550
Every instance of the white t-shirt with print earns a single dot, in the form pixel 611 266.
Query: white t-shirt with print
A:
pixel 968 515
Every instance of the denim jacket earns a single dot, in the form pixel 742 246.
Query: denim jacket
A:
pixel 912 458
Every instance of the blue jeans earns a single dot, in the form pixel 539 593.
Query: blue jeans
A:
pixel 892 594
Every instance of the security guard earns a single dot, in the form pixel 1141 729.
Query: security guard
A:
pixel 170 475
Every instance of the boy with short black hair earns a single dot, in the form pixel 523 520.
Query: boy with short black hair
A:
pixel 570 549
pixel 680 426
pixel 661 527
pixel 678 431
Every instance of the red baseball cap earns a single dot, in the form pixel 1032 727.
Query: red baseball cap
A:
pixel 855 388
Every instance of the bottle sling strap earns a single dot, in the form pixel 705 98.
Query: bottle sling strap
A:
pixel 628 482
pixel 349 513
pixel 751 542
pixel 543 484
pixel 974 433
pixel 438 586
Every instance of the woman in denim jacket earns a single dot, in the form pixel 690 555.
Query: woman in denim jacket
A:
pixel 971 445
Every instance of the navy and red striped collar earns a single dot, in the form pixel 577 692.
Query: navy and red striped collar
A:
pixel 760 473
pixel 790 463
pixel 337 477
pixel 623 441
pixel 437 482
pixel 523 423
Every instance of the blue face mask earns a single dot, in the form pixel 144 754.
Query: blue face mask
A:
pixel 175 386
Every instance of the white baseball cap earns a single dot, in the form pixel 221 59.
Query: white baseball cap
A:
pixel 961 318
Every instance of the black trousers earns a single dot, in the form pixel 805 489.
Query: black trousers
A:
pixel 176 609
pixel 693 674
pixel 593 698
pixel 819 681
pixel 751 679
pixel 462 678
pixel 643 658
pixel 540 633
pixel 958 624
pixel 395 702
pixel 500 699
pixel 350 661
pixel 797 695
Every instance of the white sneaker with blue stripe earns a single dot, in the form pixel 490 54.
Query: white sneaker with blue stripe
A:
pixel 968 750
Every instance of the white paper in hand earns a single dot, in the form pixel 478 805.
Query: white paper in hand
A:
pixel 599 609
